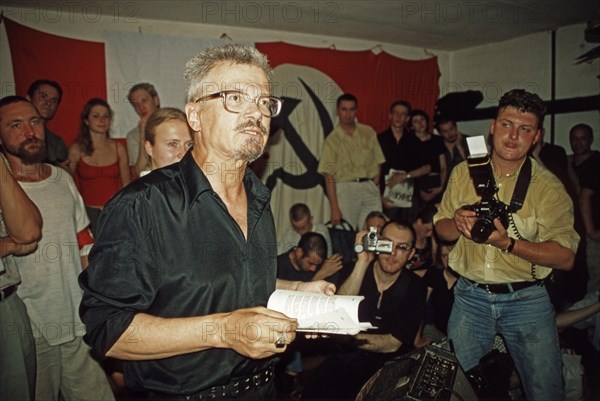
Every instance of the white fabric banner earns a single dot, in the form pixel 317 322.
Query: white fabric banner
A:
pixel 132 58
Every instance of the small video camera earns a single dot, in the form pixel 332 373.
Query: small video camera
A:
pixel 372 243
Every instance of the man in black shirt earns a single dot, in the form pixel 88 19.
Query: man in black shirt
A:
pixel 184 259
pixel 307 261
pixel 302 261
pixel 394 303
pixel 404 153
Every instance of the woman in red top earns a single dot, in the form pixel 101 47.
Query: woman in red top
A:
pixel 98 163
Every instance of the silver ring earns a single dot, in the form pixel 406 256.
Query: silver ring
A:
pixel 280 342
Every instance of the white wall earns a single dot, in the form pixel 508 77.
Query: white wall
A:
pixel 57 18
pixel 526 63
pixel 493 69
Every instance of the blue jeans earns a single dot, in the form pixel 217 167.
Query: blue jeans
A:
pixel 525 319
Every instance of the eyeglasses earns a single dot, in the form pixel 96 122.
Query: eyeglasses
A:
pixel 236 101
pixel 404 246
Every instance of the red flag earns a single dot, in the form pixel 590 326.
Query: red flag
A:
pixel 77 65
pixel 377 80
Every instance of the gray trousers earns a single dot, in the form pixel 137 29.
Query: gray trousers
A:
pixel 17 351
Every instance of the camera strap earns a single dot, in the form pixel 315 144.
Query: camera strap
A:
pixel 521 187
pixel 516 203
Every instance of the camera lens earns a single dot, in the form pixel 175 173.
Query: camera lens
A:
pixel 481 230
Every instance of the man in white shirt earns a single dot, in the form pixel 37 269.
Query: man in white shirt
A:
pixel 49 286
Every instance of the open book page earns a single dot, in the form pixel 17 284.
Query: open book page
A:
pixel 401 194
pixel 337 314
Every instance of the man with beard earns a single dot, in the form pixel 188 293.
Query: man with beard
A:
pixel 185 257
pixel 394 303
pixel 45 95
pixel 20 229
pixel 49 286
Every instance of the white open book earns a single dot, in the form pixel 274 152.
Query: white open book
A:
pixel 319 313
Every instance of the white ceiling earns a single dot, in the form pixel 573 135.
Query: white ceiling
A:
pixel 439 25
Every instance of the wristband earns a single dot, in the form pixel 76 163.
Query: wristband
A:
pixel 510 247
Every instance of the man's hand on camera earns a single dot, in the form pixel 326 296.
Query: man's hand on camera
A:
pixel 359 241
pixel 499 237
pixel 464 220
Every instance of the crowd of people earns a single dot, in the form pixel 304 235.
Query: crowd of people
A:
pixel 134 269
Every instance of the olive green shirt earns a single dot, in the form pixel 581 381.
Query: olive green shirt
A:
pixel 546 215
pixel 347 158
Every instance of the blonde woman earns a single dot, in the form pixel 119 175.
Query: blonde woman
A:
pixel 167 137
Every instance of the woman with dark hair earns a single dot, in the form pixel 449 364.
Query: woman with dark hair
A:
pixel 431 185
pixel 98 164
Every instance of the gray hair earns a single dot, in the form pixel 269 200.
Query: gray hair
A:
pixel 198 67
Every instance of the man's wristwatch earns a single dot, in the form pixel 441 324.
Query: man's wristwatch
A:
pixel 510 246
pixel 358 248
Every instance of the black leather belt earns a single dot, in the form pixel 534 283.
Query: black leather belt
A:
pixel 235 388
pixel 506 288
pixel 364 179
pixel 7 292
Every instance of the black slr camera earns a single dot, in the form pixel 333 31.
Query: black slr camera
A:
pixel 489 208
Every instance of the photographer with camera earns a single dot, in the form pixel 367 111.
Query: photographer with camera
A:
pixel 394 303
pixel 508 244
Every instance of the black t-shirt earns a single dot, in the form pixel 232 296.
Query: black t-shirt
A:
pixel 398 310
pixel 441 299
pixel 286 271
pixel 432 149
pixel 406 154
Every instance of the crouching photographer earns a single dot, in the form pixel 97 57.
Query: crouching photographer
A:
pixel 518 227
